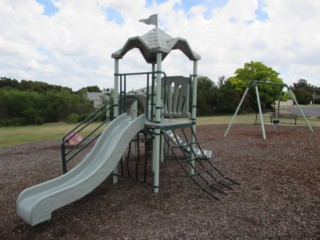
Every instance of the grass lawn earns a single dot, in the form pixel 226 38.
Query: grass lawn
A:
pixel 47 132
pixel 18 135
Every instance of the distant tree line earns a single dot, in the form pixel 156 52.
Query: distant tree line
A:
pixel 224 97
pixel 31 102
pixel 306 93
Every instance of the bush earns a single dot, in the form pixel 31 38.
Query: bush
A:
pixel 4 122
pixel 73 118
pixel 17 121
pixel 39 121
pixel 303 96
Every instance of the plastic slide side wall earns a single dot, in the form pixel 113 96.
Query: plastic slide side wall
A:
pixel 35 204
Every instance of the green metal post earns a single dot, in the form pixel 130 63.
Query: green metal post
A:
pixel 108 104
pixel 279 100
pixel 302 113
pixel 151 109
pixel 162 117
pixel 237 110
pixel 116 107
pixel 194 94
pixel 116 89
pixel 260 112
pixel 194 108
pixel 64 164
pixel 157 120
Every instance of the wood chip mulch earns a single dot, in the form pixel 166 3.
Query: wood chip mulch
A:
pixel 278 196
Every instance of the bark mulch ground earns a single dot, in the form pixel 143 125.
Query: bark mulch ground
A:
pixel 279 195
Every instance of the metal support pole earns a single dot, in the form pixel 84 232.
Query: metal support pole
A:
pixel 260 112
pixel 194 111
pixel 156 140
pixel 279 100
pixel 108 104
pixel 237 110
pixel 151 110
pixel 302 113
pixel 153 96
pixel 116 107
pixel 116 89
pixel 194 94
pixel 161 117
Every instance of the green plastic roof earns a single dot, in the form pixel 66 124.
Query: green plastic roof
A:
pixel 155 41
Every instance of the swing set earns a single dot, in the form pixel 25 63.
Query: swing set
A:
pixel 256 83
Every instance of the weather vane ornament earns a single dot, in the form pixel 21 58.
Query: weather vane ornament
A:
pixel 152 20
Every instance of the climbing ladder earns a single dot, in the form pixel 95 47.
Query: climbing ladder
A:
pixel 134 163
pixel 180 142
pixel 198 166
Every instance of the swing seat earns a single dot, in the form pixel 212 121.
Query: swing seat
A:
pixel 275 121
pixel 273 118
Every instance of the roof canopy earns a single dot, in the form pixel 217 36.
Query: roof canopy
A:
pixel 156 41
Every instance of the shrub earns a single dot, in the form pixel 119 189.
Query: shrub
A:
pixel 73 118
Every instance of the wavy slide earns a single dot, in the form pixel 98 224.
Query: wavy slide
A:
pixel 35 204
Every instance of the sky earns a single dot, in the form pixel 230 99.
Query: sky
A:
pixel 70 42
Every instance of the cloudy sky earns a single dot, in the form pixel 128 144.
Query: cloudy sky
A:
pixel 70 42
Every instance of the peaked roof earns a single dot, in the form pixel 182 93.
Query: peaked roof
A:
pixel 155 41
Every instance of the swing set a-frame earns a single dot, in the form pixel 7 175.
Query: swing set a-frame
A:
pixel 255 83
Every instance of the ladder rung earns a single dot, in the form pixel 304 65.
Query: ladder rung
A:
pixel 185 160
pixel 215 188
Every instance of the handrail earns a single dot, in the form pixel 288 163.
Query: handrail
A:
pixel 150 91
pixel 68 155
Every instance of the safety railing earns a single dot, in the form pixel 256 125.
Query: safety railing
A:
pixel 150 91
pixel 69 151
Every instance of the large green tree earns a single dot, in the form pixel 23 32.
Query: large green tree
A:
pixel 260 72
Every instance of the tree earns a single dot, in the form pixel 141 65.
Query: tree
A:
pixel 31 102
pixel 206 93
pixel 41 87
pixel 8 83
pixel 227 98
pixel 303 83
pixel 257 71
pixel 90 89
pixel 304 91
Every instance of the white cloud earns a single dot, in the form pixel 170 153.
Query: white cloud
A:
pixel 73 47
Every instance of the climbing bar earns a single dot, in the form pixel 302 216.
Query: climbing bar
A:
pixel 191 156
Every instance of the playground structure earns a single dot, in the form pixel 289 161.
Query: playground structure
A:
pixel 275 116
pixel 165 99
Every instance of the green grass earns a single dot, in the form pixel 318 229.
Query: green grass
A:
pixel 10 136
pixel 244 118
pixel 26 134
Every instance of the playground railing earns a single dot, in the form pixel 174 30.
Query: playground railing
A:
pixel 70 151
pixel 150 91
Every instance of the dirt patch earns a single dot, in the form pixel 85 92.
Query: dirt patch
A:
pixel 279 195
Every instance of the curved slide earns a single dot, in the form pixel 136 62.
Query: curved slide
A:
pixel 35 204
